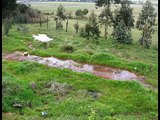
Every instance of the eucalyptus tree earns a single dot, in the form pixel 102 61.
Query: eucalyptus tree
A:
pixel 146 22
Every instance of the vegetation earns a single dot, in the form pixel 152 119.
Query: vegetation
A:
pixel 91 29
pixel 145 23
pixel 125 13
pixel 60 16
pixel 116 99
pixel 121 34
pixel 28 88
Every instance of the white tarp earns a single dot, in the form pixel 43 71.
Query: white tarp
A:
pixel 42 37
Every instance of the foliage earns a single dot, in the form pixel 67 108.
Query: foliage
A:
pixel 121 34
pixel 81 13
pixel 7 25
pixel 101 3
pixel 9 5
pixel 76 26
pixel 105 19
pixel 61 13
pixel 125 13
pixel 60 16
pixel 85 11
pixel 145 23
pixel 25 14
pixel 91 29
pixel 67 48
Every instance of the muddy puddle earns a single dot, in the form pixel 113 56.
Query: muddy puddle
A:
pixel 101 71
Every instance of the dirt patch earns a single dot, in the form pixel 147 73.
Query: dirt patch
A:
pixel 101 71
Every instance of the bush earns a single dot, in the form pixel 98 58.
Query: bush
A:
pixel 67 48
pixel 79 13
pixel 91 29
pixel 121 34
pixel 82 32
pixel 85 11
pixel 7 25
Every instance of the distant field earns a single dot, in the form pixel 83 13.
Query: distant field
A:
pixel 73 6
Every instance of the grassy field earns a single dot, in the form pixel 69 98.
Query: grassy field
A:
pixel 118 100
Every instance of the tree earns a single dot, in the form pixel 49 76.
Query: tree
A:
pixel 85 11
pixel 121 34
pixel 91 29
pixel 7 25
pixel 105 19
pixel 125 13
pixel 79 13
pixel 101 3
pixel 60 16
pixel 146 22
pixel 8 6
pixel 106 12
pixel 76 26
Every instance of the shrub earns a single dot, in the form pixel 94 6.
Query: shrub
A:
pixel 7 25
pixel 121 34
pixel 67 48
pixel 91 29
pixel 82 32
pixel 85 11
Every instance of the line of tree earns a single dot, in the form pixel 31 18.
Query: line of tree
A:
pixel 121 19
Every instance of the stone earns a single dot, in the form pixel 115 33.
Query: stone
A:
pixel 25 53
pixel 44 113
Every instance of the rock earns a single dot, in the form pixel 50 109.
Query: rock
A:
pixel 44 113
pixel 94 94
pixel 25 53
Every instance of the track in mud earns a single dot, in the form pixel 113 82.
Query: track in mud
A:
pixel 101 71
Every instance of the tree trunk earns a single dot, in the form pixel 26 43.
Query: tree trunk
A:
pixel 105 32
pixel 40 22
pixel 47 22
pixel 77 27
pixel 56 24
pixel 67 25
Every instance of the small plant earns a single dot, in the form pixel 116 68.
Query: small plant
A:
pixel 67 48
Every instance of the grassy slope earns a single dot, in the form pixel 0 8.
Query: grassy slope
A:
pixel 125 100
pixel 86 51
pixel 119 100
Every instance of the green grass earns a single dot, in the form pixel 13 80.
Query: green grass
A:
pixel 88 51
pixel 119 100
